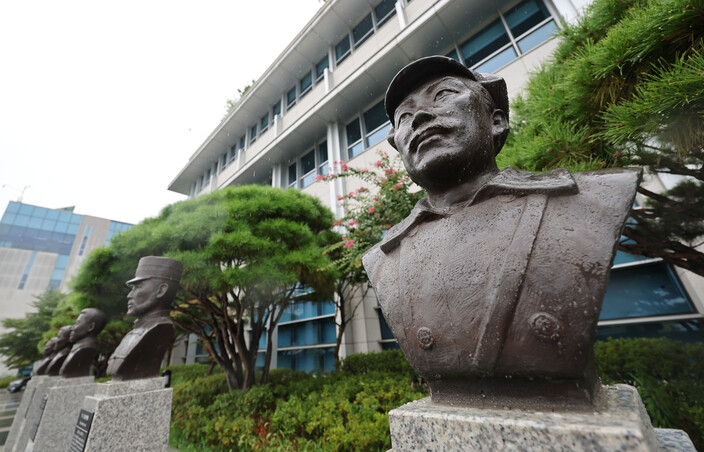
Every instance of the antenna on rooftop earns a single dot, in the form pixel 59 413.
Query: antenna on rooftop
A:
pixel 21 196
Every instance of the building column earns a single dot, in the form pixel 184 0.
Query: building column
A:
pixel 335 155
pixel 276 175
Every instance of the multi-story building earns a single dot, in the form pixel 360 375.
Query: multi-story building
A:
pixel 321 101
pixel 41 248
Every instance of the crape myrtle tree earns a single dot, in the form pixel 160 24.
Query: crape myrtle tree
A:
pixel 626 87
pixel 370 211
pixel 248 252
pixel 19 345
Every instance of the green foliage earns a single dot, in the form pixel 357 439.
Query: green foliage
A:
pixel 391 361
pixel 22 345
pixel 5 381
pixel 625 87
pixel 669 376
pixel 341 410
pixel 231 103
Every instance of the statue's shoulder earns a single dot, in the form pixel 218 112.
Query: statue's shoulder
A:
pixel 611 184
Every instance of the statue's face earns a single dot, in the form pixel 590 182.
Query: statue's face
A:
pixel 83 326
pixel 444 130
pixel 145 296
pixel 63 337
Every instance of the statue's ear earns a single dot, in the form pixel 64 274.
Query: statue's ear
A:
pixel 390 137
pixel 163 288
pixel 500 129
pixel 91 328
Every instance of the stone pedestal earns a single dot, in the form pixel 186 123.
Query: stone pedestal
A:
pixel 129 416
pixel 29 392
pixel 32 414
pixel 620 424
pixel 60 413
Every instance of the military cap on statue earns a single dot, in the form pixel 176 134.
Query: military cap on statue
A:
pixel 157 267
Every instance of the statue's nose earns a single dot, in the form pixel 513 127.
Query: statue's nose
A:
pixel 420 118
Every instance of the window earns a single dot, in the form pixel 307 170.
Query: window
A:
pixel 291 98
pixel 384 11
pixel 374 127
pixel 27 269
pixel 513 33
pixel 84 241
pixel 306 84
pixel 354 139
pixel 312 163
pixel 307 360
pixel 320 68
pixel 376 124
pixel 264 123
pixel 314 332
pixel 276 110
pixel 342 49
pixel 363 30
pixel 253 134
pixel 232 154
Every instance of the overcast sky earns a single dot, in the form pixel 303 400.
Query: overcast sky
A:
pixel 102 103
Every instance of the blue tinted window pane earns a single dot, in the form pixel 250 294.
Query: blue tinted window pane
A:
pixel 65 216
pixel 13 207
pixel 483 44
pixel 384 11
pixel 308 360
pixel 308 162
pixel 354 133
pixel 26 209
pixel 73 228
pixel 58 274
pixel 22 220
pixel 644 291
pixel 261 360
pixel 292 176
pixel 323 152
pixel 525 16
pixel 307 180
pixel 54 283
pixel 48 225
pixel 52 215
pixel 625 258
pixel 679 330
pixel 320 67
pixel 61 227
pixel 342 49
pixel 62 262
pixel 262 340
pixel 8 218
pixel 264 122
pixel 379 135
pixel 537 37
pixel 355 150
pixel 242 142
pixel 252 137
pixel 277 108
pixel 306 83
pixel 35 222
pixel 375 117
pixel 385 330
pixel 291 97
pixel 497 61
pixel 75 219
pixel 363 30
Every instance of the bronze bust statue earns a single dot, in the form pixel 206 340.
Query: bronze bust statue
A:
pixel 493 284
pixel 141 351
pixel 62 347
pixel 48 353
pixel 89 324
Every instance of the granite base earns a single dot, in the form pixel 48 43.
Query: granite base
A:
pixel 619 423
pixel 17 424
pixel 34 411
pixel 60 413
pixel 129 416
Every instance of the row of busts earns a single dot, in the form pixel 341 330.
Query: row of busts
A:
pixel 71 353
pixel 140 353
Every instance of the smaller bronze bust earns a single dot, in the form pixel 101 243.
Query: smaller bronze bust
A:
pixel 141 351
pixel 49 353
pixel 63 347
pixel 84 334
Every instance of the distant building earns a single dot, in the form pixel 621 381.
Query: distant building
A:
pixel 321 101
pixel 42 248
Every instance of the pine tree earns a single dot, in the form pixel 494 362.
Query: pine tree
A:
pixel 626 87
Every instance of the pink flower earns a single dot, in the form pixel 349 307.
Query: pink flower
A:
pixel 399 185
pixel 353 222
pixel 336 223
pixel 349 243
pixel 371 209
pixel 319 178
pixel 343 166
pixel 340 197
pixel 378 163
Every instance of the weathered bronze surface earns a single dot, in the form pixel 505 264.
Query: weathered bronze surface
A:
pixel 48 353
pixel 141 351
pixel 493 285
pixel 62 345
pixel 89 324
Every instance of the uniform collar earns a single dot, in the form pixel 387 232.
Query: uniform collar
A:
pixel 507 182
pixel 153 318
